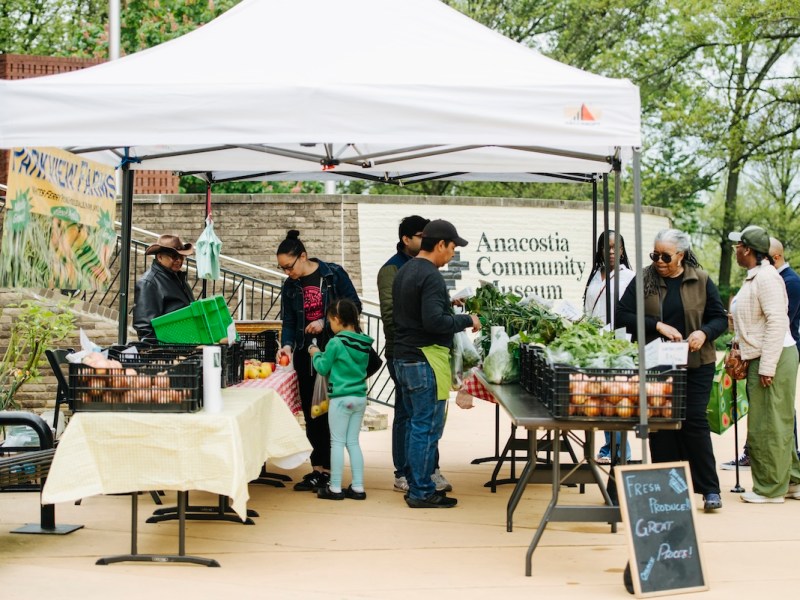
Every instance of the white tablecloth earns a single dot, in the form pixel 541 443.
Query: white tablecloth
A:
pixel 118 452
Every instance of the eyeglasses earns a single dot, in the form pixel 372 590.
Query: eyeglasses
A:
pixel 666 258
pixel 290 267
pixel 173 257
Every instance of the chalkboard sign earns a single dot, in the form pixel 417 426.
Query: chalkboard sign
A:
pixel 658 514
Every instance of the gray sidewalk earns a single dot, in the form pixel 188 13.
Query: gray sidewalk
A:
pixel 302 547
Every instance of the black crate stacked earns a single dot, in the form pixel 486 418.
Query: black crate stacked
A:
pixel 613 394
pixel 232 372
pixel 261 346
pixel 137 387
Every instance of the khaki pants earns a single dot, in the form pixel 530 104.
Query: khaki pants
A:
pixel 770 427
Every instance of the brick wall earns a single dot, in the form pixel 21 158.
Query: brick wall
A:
pixel 20 66
pixel 252 226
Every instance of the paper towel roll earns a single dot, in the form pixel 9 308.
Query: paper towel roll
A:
pixel 212 379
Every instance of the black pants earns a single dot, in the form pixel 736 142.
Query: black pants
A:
pixel 692 442
pixel 317 430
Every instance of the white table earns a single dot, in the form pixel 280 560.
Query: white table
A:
pixel 118 452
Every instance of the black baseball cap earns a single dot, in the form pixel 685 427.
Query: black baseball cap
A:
pixel 439 229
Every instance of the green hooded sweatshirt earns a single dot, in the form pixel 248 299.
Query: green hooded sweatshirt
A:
pixel 344 362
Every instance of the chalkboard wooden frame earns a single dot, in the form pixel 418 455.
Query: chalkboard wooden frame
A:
pixel 666 557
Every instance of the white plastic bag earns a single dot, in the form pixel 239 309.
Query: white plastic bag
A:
pixel 499 365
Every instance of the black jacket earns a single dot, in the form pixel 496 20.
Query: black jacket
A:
pixel 158 292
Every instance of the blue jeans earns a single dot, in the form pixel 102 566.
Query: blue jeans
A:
pixel 426 423
pixel 344 417
pixel 399 425
pixel 605 450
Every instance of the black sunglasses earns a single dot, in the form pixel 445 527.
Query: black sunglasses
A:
pixel 666 258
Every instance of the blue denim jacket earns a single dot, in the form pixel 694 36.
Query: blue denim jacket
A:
pixel 335 284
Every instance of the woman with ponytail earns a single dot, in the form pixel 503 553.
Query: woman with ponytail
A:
pixel 311 286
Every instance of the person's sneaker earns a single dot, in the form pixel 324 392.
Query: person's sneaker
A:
pixel 603 460
pixel 435 500
pixel 442 485
pixel 794 491
pixel 711 502
pixel 401 484
pixel 754 498
pixel 312 482
pixel 354 495
pixel 326 493
pixel 744 463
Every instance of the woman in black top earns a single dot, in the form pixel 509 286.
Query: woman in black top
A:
pixel 682 303
pixel 310 287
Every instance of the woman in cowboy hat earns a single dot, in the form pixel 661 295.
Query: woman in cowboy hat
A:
pixel 163 288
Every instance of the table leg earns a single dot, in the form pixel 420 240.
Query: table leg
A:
pixel 524 478
pixel 496 456
pixel 553 501
pixel 221 512
pixel 181 557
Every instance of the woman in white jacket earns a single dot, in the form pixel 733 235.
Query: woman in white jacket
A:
pixel 600 288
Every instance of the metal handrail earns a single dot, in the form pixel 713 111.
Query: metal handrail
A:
pixel 249 297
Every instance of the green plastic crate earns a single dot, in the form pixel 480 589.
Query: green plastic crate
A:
pixel 202 322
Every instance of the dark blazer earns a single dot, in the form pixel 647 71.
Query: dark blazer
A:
pixel 792 281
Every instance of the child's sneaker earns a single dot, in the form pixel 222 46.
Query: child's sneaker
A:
pixel 744 463
pixel 326 493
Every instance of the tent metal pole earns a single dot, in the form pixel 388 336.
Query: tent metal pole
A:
pixel 642 429
pixel 125 251
pixel 617 202
pixel 606 251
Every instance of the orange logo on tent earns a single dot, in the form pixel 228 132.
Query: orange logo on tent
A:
pixel 582 114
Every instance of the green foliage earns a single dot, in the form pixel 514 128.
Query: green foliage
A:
pixel 193 185
pixel 35 329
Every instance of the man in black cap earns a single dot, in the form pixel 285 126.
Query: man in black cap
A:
pixel 424 329
pixel 163 288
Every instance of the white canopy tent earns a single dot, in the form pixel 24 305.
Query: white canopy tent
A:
pixel 312 89
pixel 376 87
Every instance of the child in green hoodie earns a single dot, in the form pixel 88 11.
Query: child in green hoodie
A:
pixel 344 362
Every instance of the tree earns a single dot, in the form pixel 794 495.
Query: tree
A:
pixel 47 27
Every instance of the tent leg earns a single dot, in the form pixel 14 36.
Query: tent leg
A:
pixel 125 251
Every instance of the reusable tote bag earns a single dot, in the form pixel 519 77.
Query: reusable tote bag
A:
pixel 720 403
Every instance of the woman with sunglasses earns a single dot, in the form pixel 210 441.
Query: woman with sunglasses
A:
pixel 163 288
pixel 309 289
pixel 762 330
pixel 682 303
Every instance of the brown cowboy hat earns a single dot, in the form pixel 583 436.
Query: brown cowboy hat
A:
pixel 170 243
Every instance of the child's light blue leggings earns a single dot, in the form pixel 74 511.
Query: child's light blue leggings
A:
pixel 344 418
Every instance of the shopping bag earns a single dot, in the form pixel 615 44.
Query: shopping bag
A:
pixel 375 362
pixel 208 249
pixel 720 403
pixel 319 400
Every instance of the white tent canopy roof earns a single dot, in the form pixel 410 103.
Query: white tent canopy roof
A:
pixel 383 87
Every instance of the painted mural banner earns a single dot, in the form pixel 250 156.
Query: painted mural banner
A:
pixel 58 231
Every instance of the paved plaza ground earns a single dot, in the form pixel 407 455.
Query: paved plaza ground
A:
pixel 302 547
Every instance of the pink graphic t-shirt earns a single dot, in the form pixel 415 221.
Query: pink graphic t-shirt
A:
pixel 312 296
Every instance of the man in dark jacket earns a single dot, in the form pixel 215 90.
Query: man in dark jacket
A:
pixel 424 329
pixel 163 288
pixel 410 237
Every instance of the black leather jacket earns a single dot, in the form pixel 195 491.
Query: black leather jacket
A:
pixel 158 292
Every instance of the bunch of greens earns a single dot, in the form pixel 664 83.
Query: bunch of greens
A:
pixel 515 315
pixel 587 344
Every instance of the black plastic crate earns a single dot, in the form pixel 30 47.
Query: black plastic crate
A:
pixel 571 392
pixel 138 387
pixel 232 369
pixel 261 346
